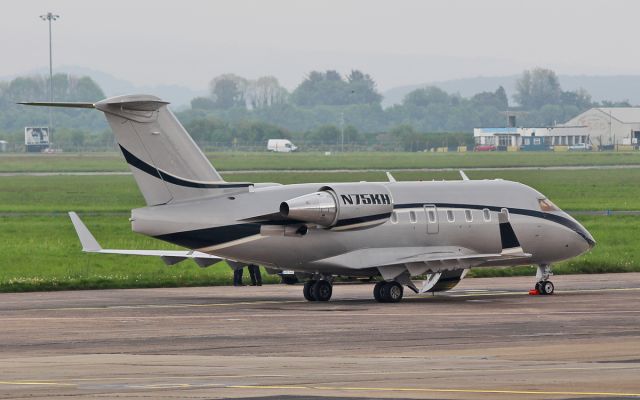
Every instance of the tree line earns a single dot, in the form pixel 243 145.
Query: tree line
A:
pixel 322 109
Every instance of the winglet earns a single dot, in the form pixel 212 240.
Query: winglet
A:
pixel 464 176
pixel 89 243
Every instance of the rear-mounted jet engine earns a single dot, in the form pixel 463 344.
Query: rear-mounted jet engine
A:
pixel 342 206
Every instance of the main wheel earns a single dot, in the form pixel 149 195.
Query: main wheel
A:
pixel 376 291
pixel 322 290
pixel 391 292
pixel 547 287
pixel 307 290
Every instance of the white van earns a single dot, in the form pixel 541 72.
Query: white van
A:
pixel 281 145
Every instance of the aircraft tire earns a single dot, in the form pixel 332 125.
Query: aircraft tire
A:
pixel 322 290
pixel 391 292
pixel 539 287
pixel 307 290
pixel 547 287
pixel 376 291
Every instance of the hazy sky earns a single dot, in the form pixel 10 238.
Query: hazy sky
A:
pixel 397 41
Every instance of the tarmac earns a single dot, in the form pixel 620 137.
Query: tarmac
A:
pixel 486 339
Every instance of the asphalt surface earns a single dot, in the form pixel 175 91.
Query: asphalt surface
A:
pixel 488 339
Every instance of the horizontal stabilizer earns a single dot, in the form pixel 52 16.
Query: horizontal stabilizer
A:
pixel 57 104
pixel 170 257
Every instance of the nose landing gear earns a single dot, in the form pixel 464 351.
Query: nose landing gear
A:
pixel 543 285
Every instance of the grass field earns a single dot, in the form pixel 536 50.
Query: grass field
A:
pixel 41 251
pixel 603 189
pixel 230 161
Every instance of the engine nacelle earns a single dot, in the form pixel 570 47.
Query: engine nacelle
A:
pixel 342 206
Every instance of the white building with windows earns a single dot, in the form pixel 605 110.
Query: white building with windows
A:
pixel 544 137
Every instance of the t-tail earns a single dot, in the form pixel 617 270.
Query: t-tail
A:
pixel 166 163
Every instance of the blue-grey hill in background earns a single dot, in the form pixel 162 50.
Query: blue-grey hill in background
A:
pixel 617 88
pixel 179 96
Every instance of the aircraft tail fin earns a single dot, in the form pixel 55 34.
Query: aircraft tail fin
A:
pixel 166 163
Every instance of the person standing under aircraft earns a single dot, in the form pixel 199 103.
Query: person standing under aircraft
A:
pixel 254 273
pixel 237 276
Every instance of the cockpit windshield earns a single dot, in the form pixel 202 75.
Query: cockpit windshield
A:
pixel 547 205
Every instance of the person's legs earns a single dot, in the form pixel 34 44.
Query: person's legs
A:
pixel 237 277
pixel 254 272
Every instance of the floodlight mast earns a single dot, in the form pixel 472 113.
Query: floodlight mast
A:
pixel 50 17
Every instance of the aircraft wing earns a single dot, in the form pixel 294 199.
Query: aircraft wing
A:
pixel 170 257
pixel 414 261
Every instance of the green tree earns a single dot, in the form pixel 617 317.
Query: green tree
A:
pixel 362 89
pixel 536 88
pixel 325 134
pixel 203 103
pixel 497 99
pixel 228 91
pixel 579 98
pixel 329 88
pixel 426 96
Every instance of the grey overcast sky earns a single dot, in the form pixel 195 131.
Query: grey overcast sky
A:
pixel 151 42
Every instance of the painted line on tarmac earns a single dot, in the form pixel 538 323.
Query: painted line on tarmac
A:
pixel 161 306
pixel 434 390
pixel 311 314
pixel 36 383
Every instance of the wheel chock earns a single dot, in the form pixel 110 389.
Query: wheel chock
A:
pixel 534 292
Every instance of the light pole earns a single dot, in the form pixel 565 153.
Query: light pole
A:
pixel 50 17
pixel 342 132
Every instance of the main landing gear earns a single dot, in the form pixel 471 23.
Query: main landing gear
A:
pixel 388 292
pixel 317 290
pixel 543 285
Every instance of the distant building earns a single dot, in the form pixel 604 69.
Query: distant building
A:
pixel 608 126
pixel 531 138
pixel 603 127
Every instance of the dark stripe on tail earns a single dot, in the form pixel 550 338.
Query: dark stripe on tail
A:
pixel 153 171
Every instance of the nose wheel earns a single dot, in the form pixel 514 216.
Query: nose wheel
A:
pixel 543 285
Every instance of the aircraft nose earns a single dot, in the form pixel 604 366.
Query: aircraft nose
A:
pixel 583 241
pixel 584 233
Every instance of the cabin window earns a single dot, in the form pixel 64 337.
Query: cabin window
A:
pixel 394 218
pixel 468 216
pixel 412 217
pixel 431 214
pixel 487 214
pixel 547 205
pixel 450 216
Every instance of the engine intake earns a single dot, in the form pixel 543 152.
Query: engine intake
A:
pixel 342 206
